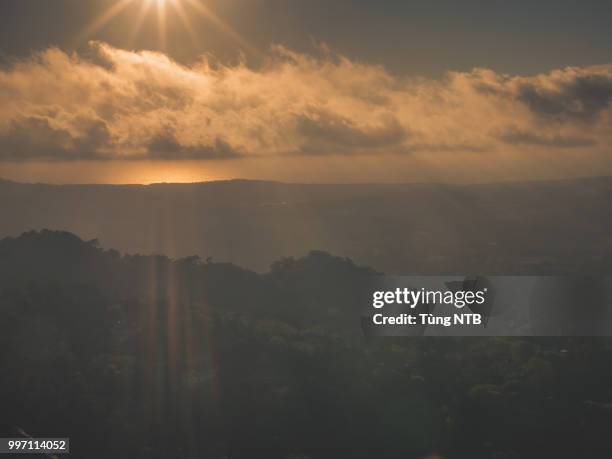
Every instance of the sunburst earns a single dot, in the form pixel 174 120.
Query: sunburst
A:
pixel 182 9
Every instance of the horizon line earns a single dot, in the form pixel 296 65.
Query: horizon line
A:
pixel 280 182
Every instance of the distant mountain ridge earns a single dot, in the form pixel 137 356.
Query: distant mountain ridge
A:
pixel 519 227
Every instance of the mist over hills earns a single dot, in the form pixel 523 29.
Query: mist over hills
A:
pixel 528 228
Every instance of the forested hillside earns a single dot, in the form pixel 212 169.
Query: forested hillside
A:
pixel 147 357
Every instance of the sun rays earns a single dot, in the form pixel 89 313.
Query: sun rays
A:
pixel 207 13
pixel 164 12
pixel 103 19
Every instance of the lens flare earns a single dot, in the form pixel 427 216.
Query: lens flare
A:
pixel 181 9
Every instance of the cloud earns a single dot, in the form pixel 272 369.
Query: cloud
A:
pixel 119 104
pixel 572 95
pixel 37 137
pixel 166 146
pixel 516 136
pixel 323 131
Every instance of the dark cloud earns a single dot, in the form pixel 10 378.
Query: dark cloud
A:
pixel 582 97
pixel 166 146
pixel 515 136
pixel 325 132
pixel 35 137
pixel 449 147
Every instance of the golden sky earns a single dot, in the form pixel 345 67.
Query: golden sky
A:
pixel 115 115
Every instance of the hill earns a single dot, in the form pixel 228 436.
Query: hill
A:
pixel 405 228
pixel 137 356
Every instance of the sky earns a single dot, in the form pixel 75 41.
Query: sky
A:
pixel 140 91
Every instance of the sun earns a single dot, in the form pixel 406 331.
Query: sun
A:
pixel 165 11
